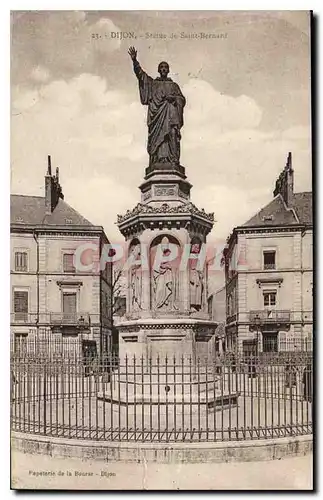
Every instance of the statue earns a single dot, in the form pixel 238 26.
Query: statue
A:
pixel 196 280
pixel 135 279
pixel 165 103
pixel 196 289
pixel 164 282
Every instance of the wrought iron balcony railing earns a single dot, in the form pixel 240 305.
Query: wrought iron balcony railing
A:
pixel 23 317
pixel 76 318
pixel 269 265
pixel 54 318
pixel 269 316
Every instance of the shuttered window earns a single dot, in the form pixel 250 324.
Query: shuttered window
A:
pixel 20 305
pixel 20 301
pixel 21 261
pixel 68 263
pixel 69 303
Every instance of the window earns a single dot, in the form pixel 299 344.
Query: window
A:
pixel 69 305
pixel 269 259
pixel 249 347
pixel 269 299
pixel 68 263
pixel 270 342
pixel 20 305
pixel 20 343
pixel 21 261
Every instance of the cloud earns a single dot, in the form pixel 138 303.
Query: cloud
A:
pixel 103 29
pixel 67 44
pixel 40 74
pixel 297 133
pixel 108 197
pixel 231 205
pixel 97 135
pixel 230 113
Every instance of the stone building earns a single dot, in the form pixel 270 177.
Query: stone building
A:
pixel 217 313
pixel 52 297
pixel 217 305
pixel 269 273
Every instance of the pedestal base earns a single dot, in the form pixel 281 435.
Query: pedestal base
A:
pixel 168 389
pixel 209 400
pixel 172 339
pixel 165 362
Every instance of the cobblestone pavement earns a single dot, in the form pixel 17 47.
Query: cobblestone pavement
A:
pixel 289 473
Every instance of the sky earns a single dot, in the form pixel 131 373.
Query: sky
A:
pixel 75 97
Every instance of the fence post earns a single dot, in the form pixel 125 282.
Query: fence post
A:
pixel 45 398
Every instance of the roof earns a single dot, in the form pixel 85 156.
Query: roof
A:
pixel 31 210
pixel 303 205
pixel 276 213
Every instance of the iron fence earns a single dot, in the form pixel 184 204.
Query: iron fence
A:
pixel 178 399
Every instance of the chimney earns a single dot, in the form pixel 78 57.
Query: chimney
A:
pixel 53 190
pixel 285 182
pixel 48 188
pixel 289 186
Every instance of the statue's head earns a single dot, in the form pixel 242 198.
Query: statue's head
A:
pixel 163 69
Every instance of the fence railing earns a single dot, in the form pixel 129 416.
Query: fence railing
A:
pixel 162 399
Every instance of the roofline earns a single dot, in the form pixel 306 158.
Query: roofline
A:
pixel 239 229
pixel 28 195
pixel 22 227
pixel 297 225
pixel 291 209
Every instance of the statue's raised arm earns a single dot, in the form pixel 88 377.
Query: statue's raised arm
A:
pixel 144 79
pixel 132 53
pixel 165 103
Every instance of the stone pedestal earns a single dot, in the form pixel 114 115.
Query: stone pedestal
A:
pixel 167 324
pixel 177 340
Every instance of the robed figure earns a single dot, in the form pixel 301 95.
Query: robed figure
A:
pixel 165 281
pixel 136 278
pixel 196 277
pixel 165 103
pixel 196 288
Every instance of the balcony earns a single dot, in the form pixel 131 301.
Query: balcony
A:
pixel 269 266
pixel 269 316
pixel 64 319
pixel 80 320
pixel 23 318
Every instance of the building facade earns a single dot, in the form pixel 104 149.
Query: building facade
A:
pixel 52 296
pixel 269 274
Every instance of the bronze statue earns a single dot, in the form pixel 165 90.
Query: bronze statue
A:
pixel 165 103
